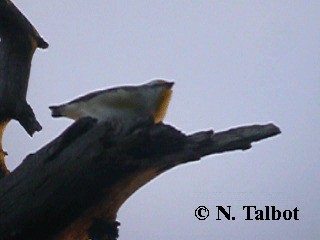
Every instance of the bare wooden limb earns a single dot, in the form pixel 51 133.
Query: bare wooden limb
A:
pixel 19 39
pixel 73 187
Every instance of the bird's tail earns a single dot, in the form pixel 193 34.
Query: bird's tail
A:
pixel 55 111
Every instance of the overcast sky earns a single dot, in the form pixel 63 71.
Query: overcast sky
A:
pixel 234 63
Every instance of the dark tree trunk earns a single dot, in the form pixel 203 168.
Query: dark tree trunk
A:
pixel 73 187
pixel 19 40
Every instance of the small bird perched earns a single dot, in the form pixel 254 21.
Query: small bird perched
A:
pixel 126 104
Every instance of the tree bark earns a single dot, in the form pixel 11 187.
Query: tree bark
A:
pixel 19 39
pixel 73 187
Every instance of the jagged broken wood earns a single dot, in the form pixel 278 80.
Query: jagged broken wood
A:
pixel 18 41
pixel 73 187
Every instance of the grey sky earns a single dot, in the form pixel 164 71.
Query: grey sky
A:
pixel 234 63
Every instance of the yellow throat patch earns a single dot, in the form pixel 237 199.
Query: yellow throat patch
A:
pixel 162 104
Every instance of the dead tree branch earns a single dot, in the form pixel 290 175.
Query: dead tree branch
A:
pixel 73 187
pixel 19 40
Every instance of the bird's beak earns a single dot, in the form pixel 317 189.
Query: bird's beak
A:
pixel 168 84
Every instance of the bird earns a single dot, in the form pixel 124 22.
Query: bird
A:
pixel 126 104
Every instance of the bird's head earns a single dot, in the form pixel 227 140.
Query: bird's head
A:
pixel 160 83
pixel 161 94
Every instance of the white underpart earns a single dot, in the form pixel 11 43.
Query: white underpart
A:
pixel 104 107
